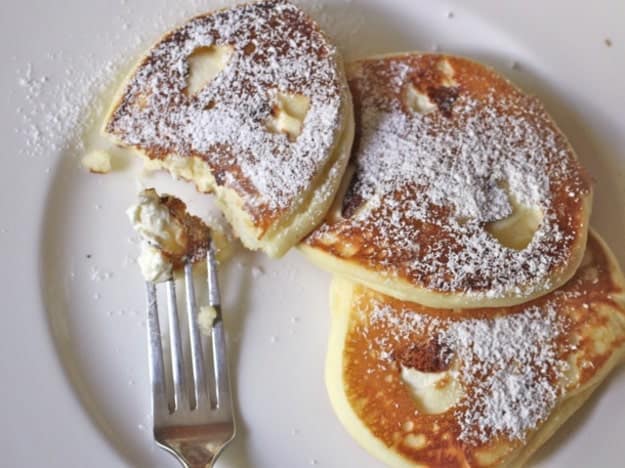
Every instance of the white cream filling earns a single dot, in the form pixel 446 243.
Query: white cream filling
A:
pixel 159 232
pixel 435 392
pixel 206 319
pixel 152 220
pixel 153 264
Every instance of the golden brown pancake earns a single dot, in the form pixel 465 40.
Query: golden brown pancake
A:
pixel 432 387
pixel 251 103
pixel 464 192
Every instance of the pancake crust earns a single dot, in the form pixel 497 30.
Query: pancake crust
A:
pixel 170 236
pixel 522 370
pixel 274 187
pixel 196 235
pixel 464 192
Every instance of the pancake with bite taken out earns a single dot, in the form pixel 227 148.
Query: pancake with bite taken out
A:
pixel 251 103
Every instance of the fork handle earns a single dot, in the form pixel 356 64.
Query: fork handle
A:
pixel 196 457
pixel 195 453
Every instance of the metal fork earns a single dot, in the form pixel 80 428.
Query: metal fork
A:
pixel 191 422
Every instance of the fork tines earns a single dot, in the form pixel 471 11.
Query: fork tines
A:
pixel 194 394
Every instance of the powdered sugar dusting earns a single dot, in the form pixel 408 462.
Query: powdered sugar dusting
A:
pixel 508 365
pixel 58 105
pixel 426 185
pixel 276 49
pixel 45 128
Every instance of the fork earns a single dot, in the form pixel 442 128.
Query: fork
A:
pixel 190 422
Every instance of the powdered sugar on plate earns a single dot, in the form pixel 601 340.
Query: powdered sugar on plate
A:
pixel 47 128
pixel 57 106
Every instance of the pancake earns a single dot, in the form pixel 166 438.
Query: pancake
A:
pixel 429 387
pixel 171 236
pixel 250 103
pixel 464 192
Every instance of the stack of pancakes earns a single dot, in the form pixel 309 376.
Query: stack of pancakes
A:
pixel 472 311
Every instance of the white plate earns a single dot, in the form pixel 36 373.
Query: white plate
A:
pixel 73 356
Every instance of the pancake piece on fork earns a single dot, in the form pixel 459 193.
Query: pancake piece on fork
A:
pixel 170 236
pixel 464 192
pixel 426 387
pixel 250 103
